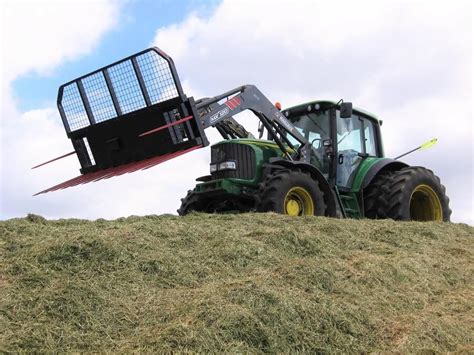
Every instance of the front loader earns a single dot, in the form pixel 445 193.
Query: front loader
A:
pixel 319 158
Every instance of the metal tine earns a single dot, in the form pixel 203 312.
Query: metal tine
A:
pixel 162 160
pixel 116 171
pixel 136 166
pixel 157 161
pixel 173 155
pixel 102 174
pixel 59 186
pixel 187 118
pixel 66 184
pixel 128 168
pixel 112 173
pixel 85 179
pixel 88 178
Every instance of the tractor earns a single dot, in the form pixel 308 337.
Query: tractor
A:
pixel 322 158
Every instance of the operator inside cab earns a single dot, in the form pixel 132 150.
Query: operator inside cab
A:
pixel 314 126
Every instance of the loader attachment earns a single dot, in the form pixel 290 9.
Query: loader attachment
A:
pixel 127 116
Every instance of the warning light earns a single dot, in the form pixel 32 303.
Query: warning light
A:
pixel 278 105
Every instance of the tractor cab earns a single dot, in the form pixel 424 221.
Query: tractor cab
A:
pixel 340 142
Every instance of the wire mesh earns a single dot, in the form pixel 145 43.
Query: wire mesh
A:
pixel 100 101
pixel 158 82
pixel 157 76
pixel 74 108
pixel 126 87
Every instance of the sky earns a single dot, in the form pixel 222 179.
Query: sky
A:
pixel 409 62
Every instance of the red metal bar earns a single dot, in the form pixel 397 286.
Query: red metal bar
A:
pixel 58 186
pixel 50 161
pixel 174 155
pixel 116 171
pixel 187 118
pixel 100 174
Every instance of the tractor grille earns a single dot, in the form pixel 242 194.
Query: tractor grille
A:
pixel 242 154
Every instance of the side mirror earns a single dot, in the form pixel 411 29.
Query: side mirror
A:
pixel 346 109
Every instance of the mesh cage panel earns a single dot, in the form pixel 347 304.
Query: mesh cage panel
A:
pixel 100 101
pixel 157 77
pixel 126 87
pixel 118 89
pixel 74 108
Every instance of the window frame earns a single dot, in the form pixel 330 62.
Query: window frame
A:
pixel 376 133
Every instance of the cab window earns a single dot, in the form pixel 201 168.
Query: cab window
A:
pixel 355 137
pixel 314 126
pixel 369 133
pixel 349 134
pixel 356 134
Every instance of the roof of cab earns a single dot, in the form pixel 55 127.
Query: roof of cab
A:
pixel 330 102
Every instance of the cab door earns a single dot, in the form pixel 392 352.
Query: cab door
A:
pixel 356 140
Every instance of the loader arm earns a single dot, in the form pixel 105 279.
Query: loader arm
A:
pixel 228 128
pixel 249 97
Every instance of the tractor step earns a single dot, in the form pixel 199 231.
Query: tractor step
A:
pixel 350 205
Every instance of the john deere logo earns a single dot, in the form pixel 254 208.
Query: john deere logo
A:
pixel 219 114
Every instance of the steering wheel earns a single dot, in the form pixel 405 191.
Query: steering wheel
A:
pixel 316 139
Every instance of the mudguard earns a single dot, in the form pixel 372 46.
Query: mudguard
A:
pixel 379 167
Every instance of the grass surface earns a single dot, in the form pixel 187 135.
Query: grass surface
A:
pixel 248 283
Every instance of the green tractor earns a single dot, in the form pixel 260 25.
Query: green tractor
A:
pixel 320 158
pixel 348 175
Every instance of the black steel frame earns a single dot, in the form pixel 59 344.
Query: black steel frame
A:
pixel 105 72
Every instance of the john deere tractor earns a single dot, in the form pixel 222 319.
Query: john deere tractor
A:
pixel 346 175
pixel 321 158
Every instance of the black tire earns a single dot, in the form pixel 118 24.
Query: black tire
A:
pixel 198 202
pixel 372 194
pixel 192 202
pixel 278 190
pixel 412 193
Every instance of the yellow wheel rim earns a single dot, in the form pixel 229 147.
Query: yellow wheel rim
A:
pixel 425 204
pixel 298 202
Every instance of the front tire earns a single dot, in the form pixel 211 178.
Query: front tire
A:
pixel 199 202
pixel 291 192
pixel 192 202
pixel 409 194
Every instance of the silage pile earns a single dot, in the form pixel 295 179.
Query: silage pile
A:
pixel 247 283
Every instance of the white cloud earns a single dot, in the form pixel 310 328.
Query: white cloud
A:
pixel 409 62
pixel 40 35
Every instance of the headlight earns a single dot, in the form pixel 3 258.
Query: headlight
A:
pixel 228 165
pixel 213 168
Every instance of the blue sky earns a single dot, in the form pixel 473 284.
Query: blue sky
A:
pixel 138 22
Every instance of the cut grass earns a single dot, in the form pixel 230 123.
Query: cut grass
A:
pixel 246 283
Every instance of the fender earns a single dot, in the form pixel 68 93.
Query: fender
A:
pixel 382 165
pixel 329 198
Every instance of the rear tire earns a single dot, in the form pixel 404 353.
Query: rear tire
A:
pixel 409 194
pixel 291 192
